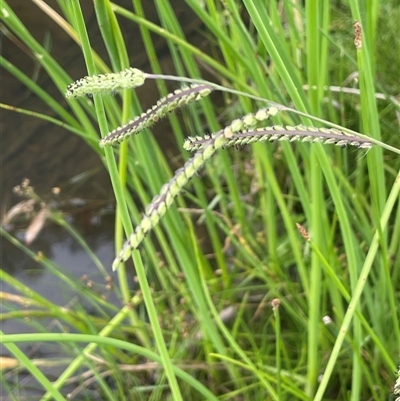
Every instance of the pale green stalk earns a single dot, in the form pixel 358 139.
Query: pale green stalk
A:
pixel 360 285
pixel 318 214
pixel 94 341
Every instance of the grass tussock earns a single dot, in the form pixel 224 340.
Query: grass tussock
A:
pixel 275 275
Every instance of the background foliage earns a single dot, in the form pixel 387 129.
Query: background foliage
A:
pixel 231 300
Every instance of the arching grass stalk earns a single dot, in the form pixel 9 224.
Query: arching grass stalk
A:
pixel 240 132
pixel 25 361
pixel 206 147
pixel 112 82
pixel 12 339
pixel 233 135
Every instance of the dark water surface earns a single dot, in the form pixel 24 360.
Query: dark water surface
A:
pixel 50 157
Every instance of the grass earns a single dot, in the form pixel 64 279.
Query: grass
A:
pixel 293 292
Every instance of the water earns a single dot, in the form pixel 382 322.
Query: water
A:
pixel 51 157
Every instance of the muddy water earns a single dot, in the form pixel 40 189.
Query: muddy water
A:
pixel 50 157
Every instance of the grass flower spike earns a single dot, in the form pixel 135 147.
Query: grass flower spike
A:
pixel 299 133
pixel 167 104
pixel 241 131
pixel 128 78
pixel 232 251
pixel 240 124
pixel 160 203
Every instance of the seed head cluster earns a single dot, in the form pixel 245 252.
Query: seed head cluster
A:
pixel 241 131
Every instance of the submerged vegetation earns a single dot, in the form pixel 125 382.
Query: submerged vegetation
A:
pixel 291 289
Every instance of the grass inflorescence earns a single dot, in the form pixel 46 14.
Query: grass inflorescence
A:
pixel 179 98
pixel 396 389
pixel 277 277
pixel 299 133
pixel 237 133
pixel 128 78
pixel 160 203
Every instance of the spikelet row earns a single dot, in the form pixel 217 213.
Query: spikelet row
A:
pixel 128 78
pixel 396 388
pixel 300 133
pixel 165 105
pixel 250 120
pixel 161 202
pixel 242 131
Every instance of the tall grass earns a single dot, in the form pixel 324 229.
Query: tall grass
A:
pixel 292 293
